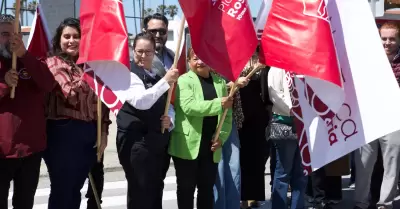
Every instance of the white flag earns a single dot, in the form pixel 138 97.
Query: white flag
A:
pixel 372 93
pixel 262 17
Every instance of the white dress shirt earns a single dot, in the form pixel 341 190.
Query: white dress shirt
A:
pixel 143 99
pixel 278 89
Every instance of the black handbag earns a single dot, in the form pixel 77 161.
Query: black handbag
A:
pixel 280 131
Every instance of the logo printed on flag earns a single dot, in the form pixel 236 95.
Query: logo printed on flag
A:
pixel 231 42
pixel 104 50
pixel 315 10
pixel 326 135
pixel 232 9
pixel 313 45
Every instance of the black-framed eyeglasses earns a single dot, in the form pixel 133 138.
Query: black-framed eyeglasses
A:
pixel 154 32
pixel 147 53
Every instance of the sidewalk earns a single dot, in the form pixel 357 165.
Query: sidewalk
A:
pixel 111 162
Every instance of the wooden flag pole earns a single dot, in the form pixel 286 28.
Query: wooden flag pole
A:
pixel 99 120
pixel 176 58
pixel 94 190
pixel 16 30
pixel 231 94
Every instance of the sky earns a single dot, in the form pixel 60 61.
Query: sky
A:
pixel 129 11
pixel 128 7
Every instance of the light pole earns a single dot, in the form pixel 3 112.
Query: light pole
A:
pixel 163 8
pixel 134 14
pixel 142 14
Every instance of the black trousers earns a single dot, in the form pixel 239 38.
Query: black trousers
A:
pixel 98 178
pixel 25 174
pixel 143 158
pixel 165 167
pixel 253 152
pixel 324 188
pixel 200 173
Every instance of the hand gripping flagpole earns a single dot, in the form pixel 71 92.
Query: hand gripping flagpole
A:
pixel 176 58
pixel 234 88
pixel 16 30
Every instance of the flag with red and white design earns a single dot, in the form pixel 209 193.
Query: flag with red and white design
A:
pixel 327 131
pixel 39 37
pixel 222 34
pixel 104 50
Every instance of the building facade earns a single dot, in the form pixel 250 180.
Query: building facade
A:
pixel 57 10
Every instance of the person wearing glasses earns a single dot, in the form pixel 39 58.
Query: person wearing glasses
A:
pixel 201 97
pixel 140 142
pixel 157 25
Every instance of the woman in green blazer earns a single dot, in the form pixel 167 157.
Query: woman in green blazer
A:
pixel 200 100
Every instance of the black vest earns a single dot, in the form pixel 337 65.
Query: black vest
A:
pixel 130 119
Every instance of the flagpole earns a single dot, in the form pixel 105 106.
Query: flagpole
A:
pixel 234 88
pixel 94 190
pixel 177 55
pixel 16 30
pixel 99 120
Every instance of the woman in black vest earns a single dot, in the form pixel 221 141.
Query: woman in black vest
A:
pixel 140 143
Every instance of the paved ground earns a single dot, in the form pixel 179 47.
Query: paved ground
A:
pixel 114 196
pixel 115 187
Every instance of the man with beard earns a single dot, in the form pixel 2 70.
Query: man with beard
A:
pixel 22 119
pixel 157 25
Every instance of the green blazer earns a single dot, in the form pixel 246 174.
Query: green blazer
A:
pixel 190 108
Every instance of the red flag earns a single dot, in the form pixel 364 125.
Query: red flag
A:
pixel 104 49
pixel 222 33
pixel 39 37
pixel 297 37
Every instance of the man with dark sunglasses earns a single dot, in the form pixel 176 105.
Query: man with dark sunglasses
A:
pixel 157 25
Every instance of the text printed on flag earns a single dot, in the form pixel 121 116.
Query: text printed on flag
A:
pixel 235 10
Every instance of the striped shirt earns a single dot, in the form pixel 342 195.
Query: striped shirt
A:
pixel 72 97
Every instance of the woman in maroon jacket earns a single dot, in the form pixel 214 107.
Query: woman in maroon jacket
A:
pixel 71 121
pixel 22 121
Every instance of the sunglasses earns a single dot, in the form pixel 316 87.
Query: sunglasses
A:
pixel 154 32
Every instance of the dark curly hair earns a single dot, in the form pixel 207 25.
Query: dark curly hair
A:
pixel 68 22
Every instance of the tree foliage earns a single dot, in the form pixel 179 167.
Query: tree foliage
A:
pixel 168 10
pixel 31 6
